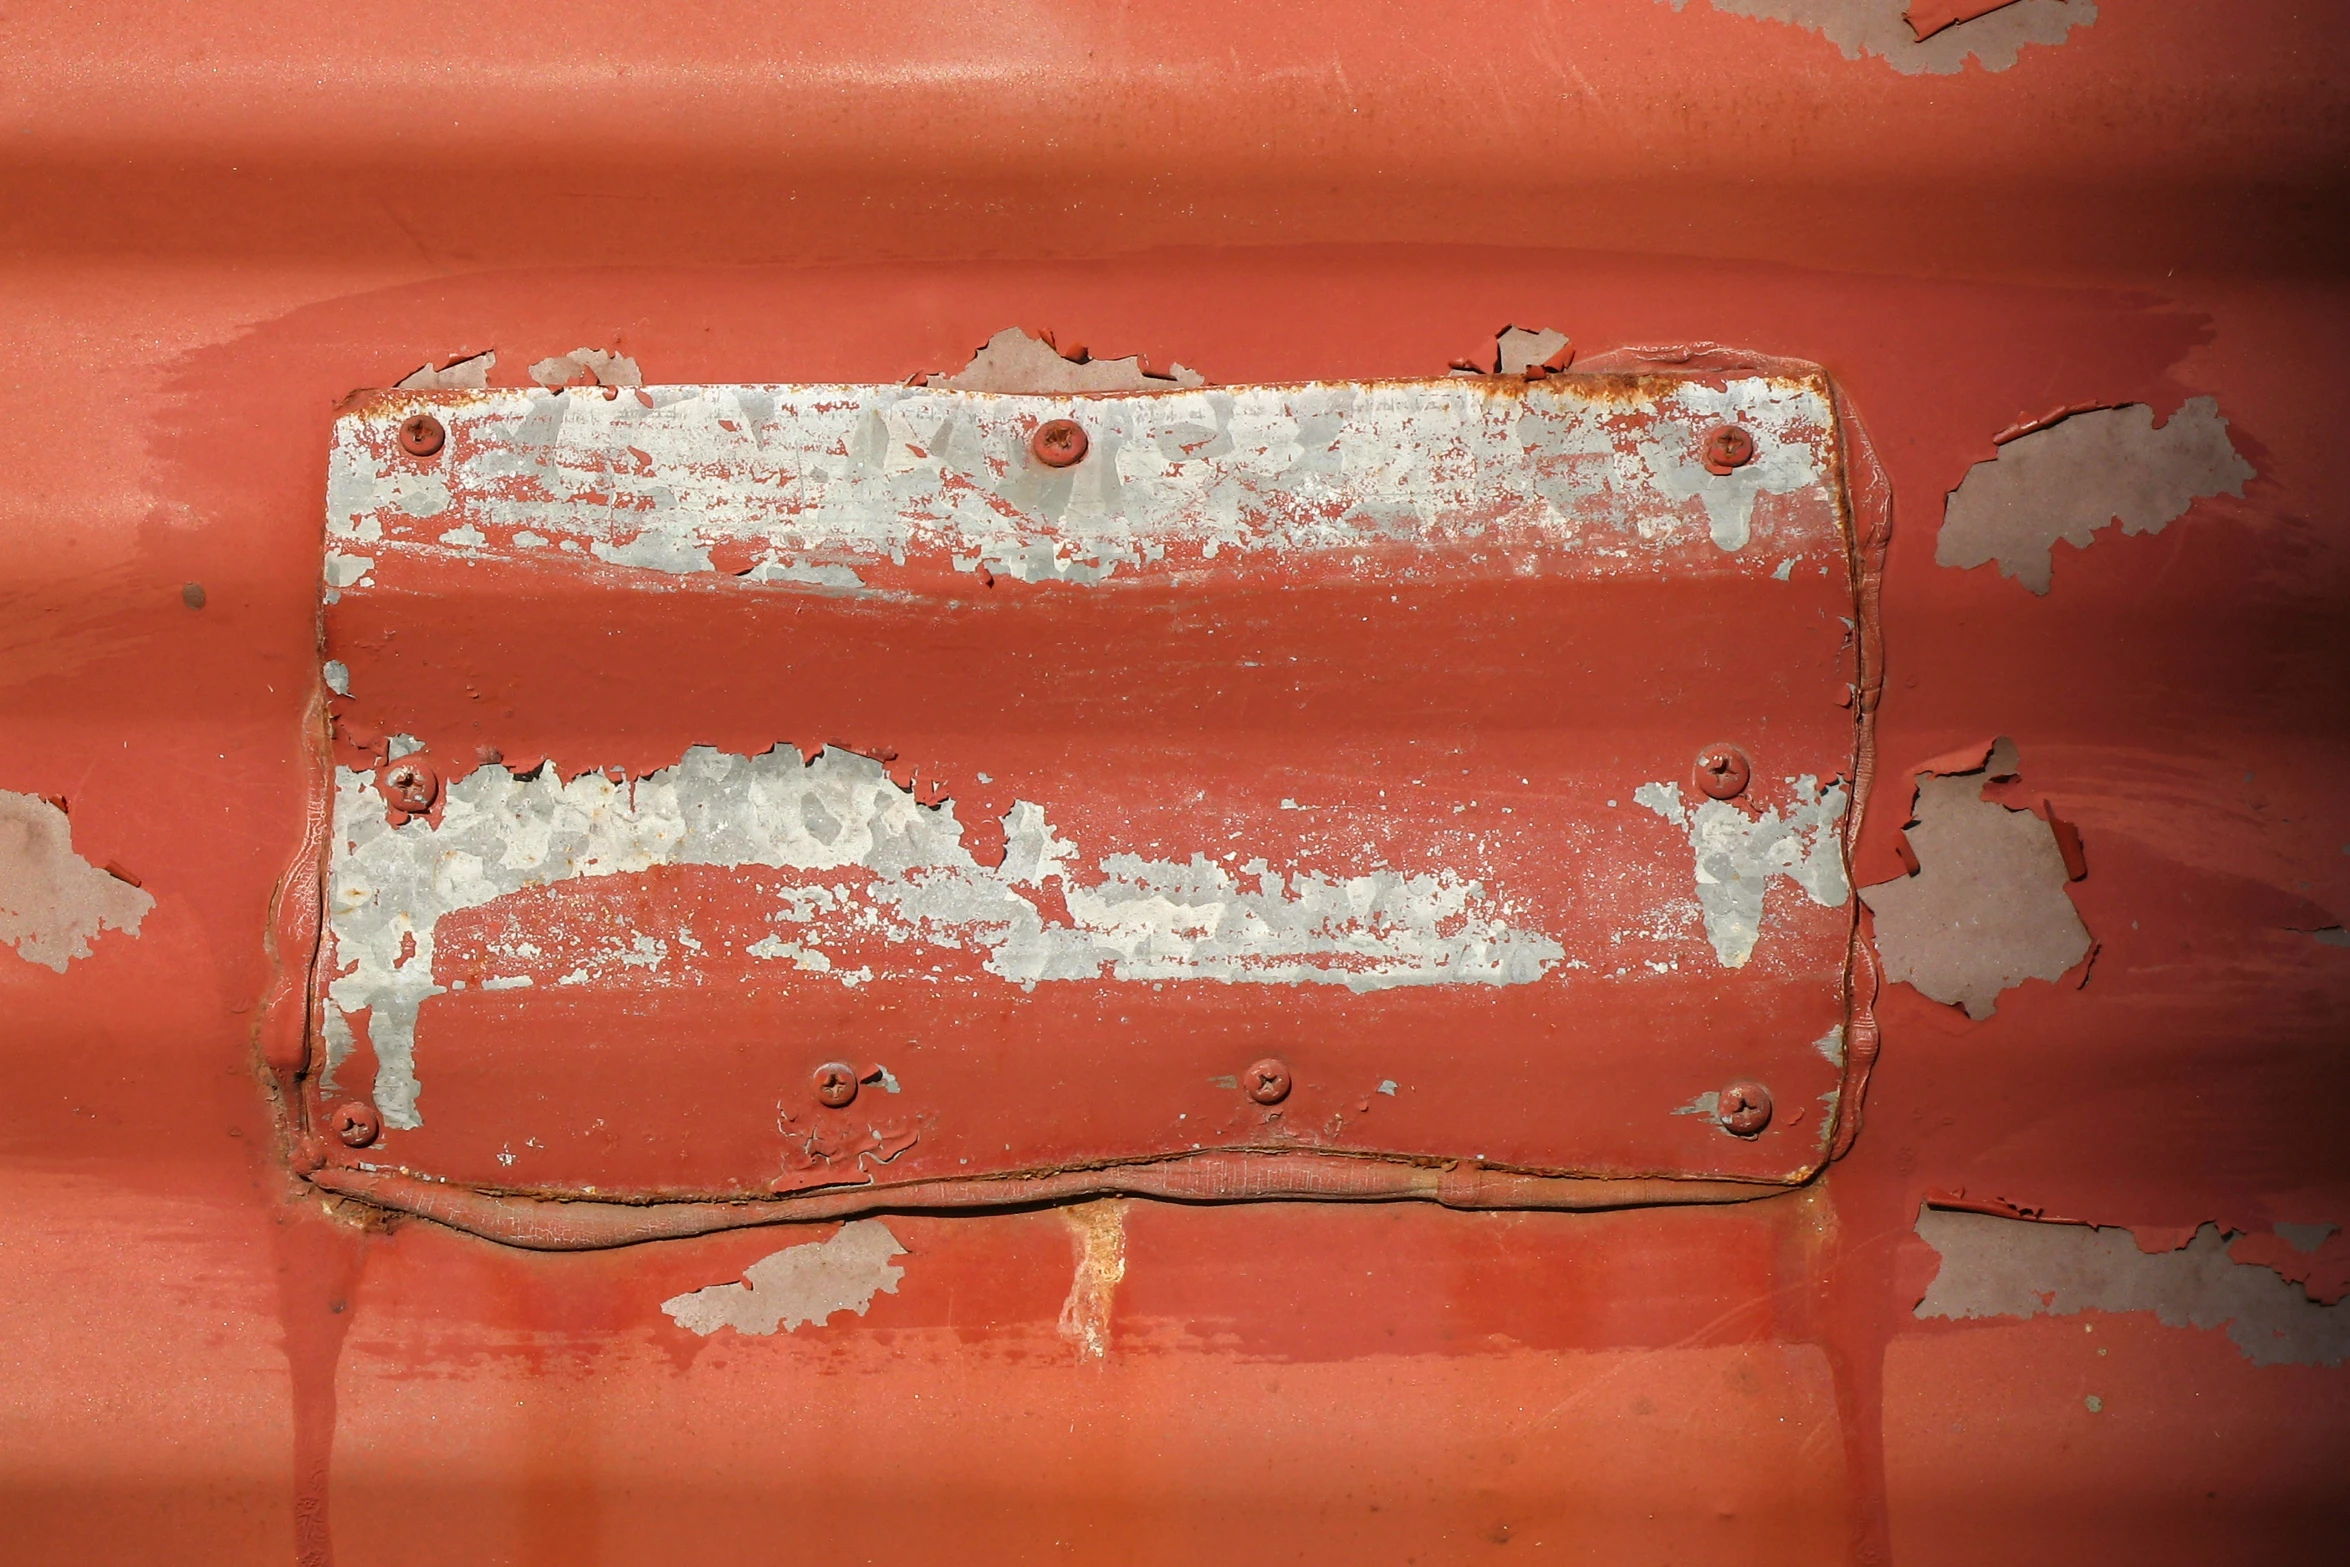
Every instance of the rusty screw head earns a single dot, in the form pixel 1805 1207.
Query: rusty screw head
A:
pixel 836 1083
pixel 421 435
pixel 1745 1109
pixel 1727 447
pixel 356 1123
pixel 410 784
pixel 1059 443
pixel 1267 1081
pixel 1723 772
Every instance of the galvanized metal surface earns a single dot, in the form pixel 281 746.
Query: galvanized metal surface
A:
pixel 1354 727
pixel 220 224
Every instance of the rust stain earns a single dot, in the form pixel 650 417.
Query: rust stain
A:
pixel 1097 1233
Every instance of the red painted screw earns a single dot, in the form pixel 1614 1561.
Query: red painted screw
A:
pixel 1727 447
pixel 1723 772
pixel 1267 1081
pixel 410 785
pixel 1745 1109
pixel 1059 443
pixel 356 1124
pixel 421 435
pixel 836 1083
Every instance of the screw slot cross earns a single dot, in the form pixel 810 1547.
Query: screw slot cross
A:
pixel 1267 1081
pixel 836 1083
pixel 1723 772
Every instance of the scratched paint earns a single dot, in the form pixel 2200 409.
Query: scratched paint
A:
pixel 1143 920
pixel 827 481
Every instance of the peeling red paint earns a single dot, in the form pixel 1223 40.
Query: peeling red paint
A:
pixel 209 255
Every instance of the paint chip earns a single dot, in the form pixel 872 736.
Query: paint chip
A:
pixel 1987 908
pixel 2069 479
pixel 1999 1267
pixel 54 903
pixel 1994 35
pixel 458 375
pixel 587 367
pixel 798 1285
pixel 1928 17
pixel 1518 350
pixel 1012 361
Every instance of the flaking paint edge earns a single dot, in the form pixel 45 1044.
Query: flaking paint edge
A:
pixel 1146 920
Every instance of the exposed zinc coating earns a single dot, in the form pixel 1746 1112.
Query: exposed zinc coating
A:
pixel 1736 855
pixel 827 479
pixel 1143 920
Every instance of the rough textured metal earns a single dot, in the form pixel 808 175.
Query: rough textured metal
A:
pixel 1181 883
pixel 222 221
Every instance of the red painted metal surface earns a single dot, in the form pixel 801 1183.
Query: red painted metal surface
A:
pixel 1371 753
pixel 219 227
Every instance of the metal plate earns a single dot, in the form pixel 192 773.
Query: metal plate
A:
pixel 1352 725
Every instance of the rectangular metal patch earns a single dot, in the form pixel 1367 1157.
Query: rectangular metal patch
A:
pixel 1307 769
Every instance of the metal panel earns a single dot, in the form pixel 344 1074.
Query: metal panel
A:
pixel 223 219
pixel 1348 734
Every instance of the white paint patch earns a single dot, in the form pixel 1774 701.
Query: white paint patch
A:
pixel 798 1285
pixel 1143 920
pixel 1736 856
pixel 54 903
pixel 827 482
